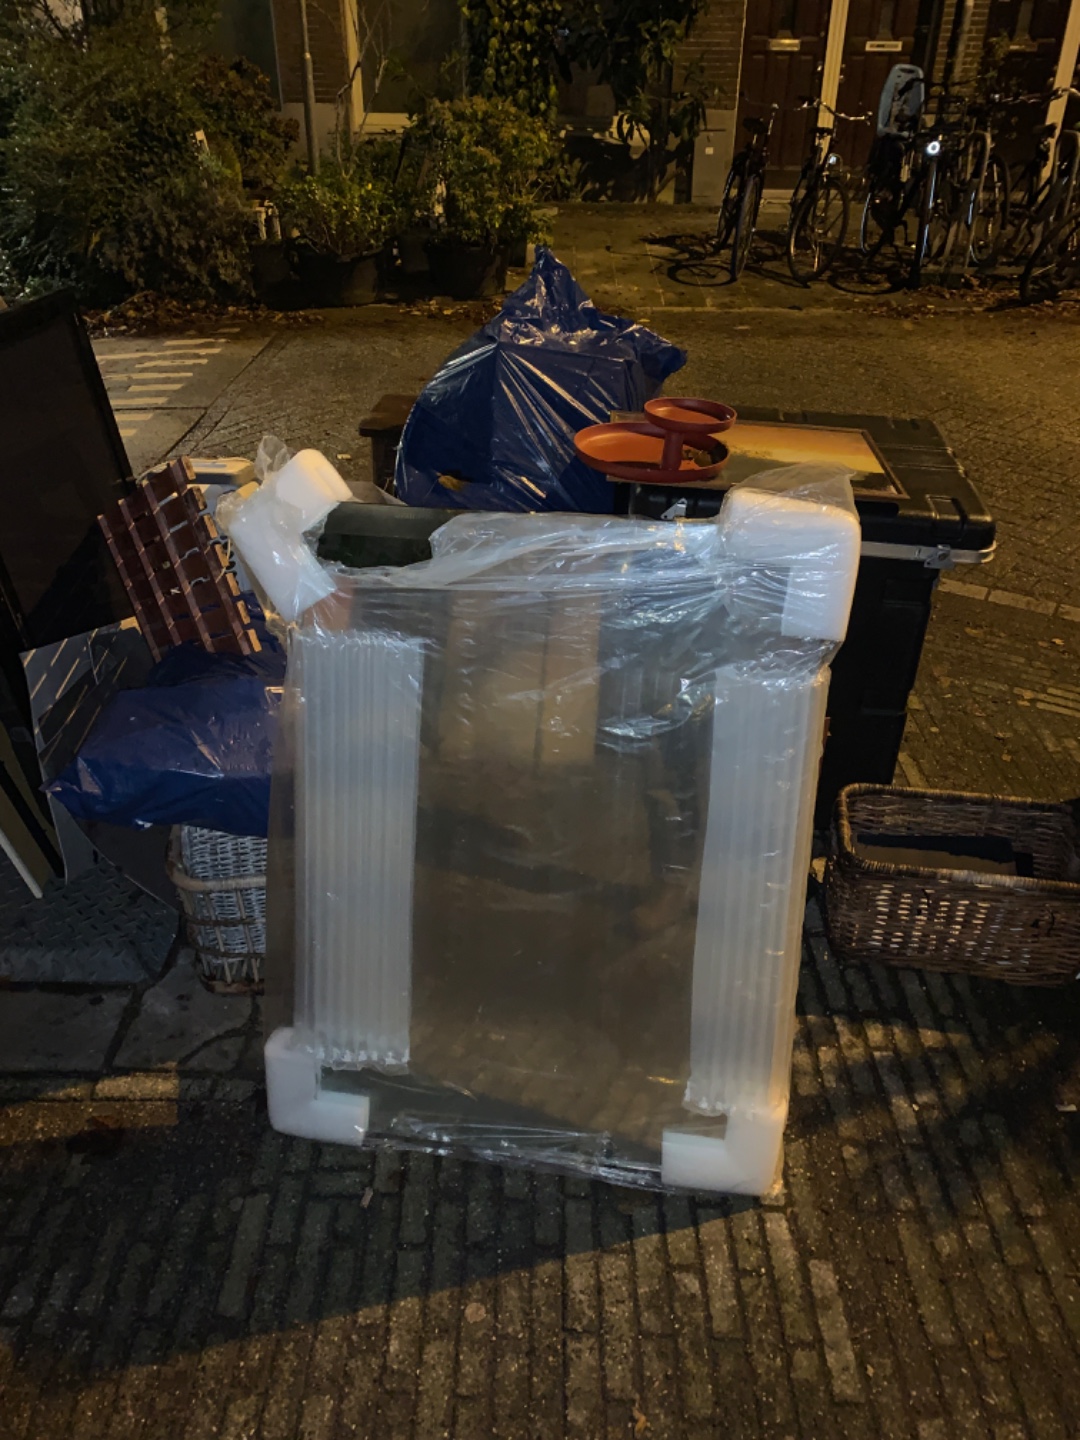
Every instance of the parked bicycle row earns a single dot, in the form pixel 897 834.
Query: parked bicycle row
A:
pixel 937 198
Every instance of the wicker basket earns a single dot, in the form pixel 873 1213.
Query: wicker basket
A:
pixel 221 881
pixel 996 926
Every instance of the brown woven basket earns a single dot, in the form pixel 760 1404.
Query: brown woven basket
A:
pixel 999 927
pixel 221 883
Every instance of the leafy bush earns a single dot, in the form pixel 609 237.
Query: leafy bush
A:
pixel 634 46
pixel 513 51
pixel 103 182
pixel 241 112
pixel 486 159
pixel 351 207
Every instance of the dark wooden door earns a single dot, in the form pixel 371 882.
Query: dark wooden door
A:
pixel 1034 29
pixel 783 52
pixel 880 34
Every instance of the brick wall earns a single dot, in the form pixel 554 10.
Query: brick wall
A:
pixel 973 44
pixel 326 29
pixel 717 42
pixel 976 40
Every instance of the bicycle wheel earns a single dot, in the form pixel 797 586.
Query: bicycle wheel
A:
pixel 928 228
pixel 951 203
pixel 744 225
pixel 806 179
pixel 729 206
pixel 880 260
pixel 879 213
pixel 1055 265
pixel 817 230
pixel 991 220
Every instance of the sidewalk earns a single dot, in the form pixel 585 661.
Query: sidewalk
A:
pixel 171 1268
pixel 648 259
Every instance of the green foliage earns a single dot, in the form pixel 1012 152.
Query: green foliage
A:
pixel 993 64
pixel 351 207
pixel 634 47
pixel 103 184
pixel 513 52
pixel 241 112
pixel 485 160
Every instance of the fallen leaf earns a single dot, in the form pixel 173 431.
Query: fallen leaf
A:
pixel 344 457
pixel 366 1198
pixel 993 1347
pixel 475 1312
pixel 641 1423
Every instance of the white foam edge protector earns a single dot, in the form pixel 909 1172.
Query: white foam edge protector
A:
pixel 745 1160
pixel 297 1103
pixel 310 485
pixel 820 545
pixel 278 556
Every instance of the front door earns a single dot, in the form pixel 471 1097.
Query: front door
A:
pixel 1027 35
pixel 880 34
pixel 783 52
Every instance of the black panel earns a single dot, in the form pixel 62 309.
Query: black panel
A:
pixel 875 670
pixel 64 463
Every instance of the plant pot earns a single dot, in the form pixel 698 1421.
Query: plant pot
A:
pixel 412 250
pixel 270 269
pixel 331 281
pixel 517 253
pixel 466 272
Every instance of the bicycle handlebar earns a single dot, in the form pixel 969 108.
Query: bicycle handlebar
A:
pixel 807 102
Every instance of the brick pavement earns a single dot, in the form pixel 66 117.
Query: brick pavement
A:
pixel 169 1267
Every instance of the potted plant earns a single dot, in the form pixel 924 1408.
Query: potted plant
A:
pixel 338 221
pixel 485 161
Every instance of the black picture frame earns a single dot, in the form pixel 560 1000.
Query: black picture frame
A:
pixel 64 464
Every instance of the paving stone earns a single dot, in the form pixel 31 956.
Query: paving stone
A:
pixel 44 1030
pixel 99 929
pixel 180 1023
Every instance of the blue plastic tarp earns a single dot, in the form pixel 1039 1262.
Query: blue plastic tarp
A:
pixel 194 746
pixel 494 429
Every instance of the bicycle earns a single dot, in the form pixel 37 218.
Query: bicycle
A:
pixel 959 200
pixel 1045 192
pixel 894 231
pixel 820 204
pixel 925 188
pixel 1055 264
pixel 737 217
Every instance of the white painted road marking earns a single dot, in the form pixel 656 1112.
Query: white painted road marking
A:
pixel 1011 598
pixel 159 387
pixel 114 375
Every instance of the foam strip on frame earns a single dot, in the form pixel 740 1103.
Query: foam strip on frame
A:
pixel 356 840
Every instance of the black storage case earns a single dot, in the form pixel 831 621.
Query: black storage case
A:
pixel 907 541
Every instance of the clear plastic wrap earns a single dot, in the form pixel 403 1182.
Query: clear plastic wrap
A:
pixel 494 428
pixel 540 835
pixel 268 526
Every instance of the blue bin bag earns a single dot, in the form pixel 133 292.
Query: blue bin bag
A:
pixel 494 429
pixel 194 746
